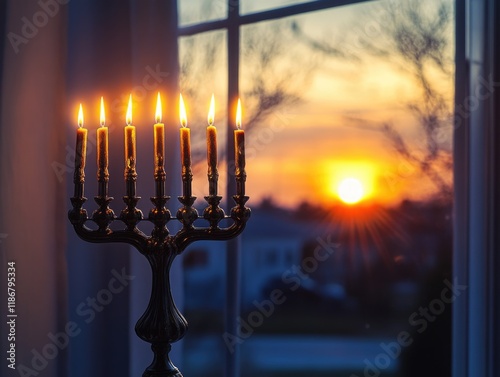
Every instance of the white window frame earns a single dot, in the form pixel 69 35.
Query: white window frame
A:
pixel 476 336
pixel 476 333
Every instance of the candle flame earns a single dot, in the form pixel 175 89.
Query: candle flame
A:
pixel 103 114
pixel 128 116
pixel 80 117
pixel 158 109
pixel 238 115
pixel 211 112
pixel 182 112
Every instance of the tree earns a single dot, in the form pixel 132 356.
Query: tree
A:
pixel 415 36
pixel 269 60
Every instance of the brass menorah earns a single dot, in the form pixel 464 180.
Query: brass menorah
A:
pixel 161 324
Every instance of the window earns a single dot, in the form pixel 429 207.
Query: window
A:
pixel 338 100
pixel 193 11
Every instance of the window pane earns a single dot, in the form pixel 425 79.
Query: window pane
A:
pixel 194 11
pixel 250 6
pixel 348 252
pixel 203 63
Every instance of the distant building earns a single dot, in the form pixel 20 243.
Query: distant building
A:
pixel 273 242
pixel 374 263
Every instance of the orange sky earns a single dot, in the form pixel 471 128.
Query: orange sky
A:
pixel 303 151
pixel 300 152
pixel 319 142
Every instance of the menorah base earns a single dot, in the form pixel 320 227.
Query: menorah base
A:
pixel 173 373
pixel 161 365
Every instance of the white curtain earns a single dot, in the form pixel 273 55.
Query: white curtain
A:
pixel 77 51
pixel 33 219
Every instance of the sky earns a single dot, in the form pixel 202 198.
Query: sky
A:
pixel 302 151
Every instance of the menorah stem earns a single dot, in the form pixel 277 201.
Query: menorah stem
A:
pixel 162 324
pixel 161 365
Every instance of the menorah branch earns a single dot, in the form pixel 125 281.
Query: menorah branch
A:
pixel 161 324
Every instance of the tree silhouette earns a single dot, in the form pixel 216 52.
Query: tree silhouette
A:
pixel 415 36
pixel 265 54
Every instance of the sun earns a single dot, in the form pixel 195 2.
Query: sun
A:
pixel 350 190
pixel 351 181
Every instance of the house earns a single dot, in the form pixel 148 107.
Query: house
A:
pixel 274 244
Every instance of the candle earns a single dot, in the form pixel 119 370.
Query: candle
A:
pixel 239 153
pixel 213 174
pixel 185 136
pixel 130 154
pixel 159 150
pixel 80 155
pixel 102 155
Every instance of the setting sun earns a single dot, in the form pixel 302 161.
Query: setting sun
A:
pixel 350 190
pixel 351 181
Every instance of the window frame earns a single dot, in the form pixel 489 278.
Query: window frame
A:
pixel 476 331
pixel 461 196
pixel 461 356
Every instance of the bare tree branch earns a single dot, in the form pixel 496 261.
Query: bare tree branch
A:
pixel 275 82
pixel 415 36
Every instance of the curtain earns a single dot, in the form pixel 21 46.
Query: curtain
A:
pixel 31 197
pixel 56 54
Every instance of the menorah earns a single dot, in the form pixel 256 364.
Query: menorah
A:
pixel 161 324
